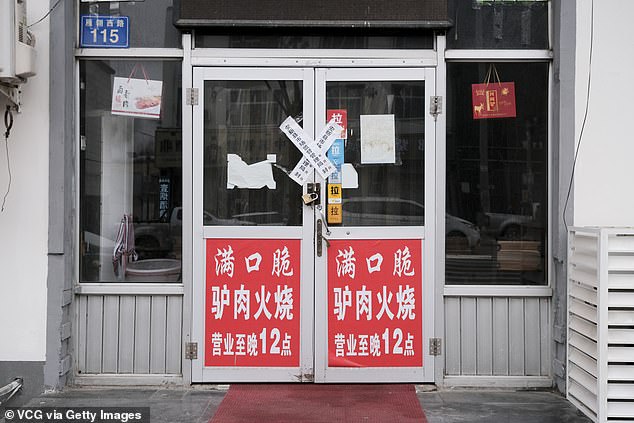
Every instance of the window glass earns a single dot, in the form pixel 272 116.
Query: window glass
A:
pixel 301 39
pixel 241 127
pixel 130 173
pixel 491 24
pixel 150 21
pixel 497 179
pixel 390 188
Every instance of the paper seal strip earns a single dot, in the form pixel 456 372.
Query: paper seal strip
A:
pixel 312 153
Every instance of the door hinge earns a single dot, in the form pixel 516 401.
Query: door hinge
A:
pixel 192 96
pixel 191 350
pixel 435 346
pixel 435 105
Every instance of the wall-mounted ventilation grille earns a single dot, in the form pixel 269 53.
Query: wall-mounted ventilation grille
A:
pixel 600 363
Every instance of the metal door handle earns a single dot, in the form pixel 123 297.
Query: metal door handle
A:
pixel 323 218
pixel 320 238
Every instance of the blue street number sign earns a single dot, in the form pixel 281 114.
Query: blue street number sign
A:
pixel 105 31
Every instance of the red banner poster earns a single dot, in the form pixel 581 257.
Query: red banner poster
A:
pixel 375 313
pixel 493 100
pixel 252 298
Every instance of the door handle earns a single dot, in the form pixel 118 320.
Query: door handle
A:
pixel 321 238
pixel 323 218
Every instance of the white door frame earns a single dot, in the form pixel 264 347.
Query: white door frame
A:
pixel 200 373
pixel 323 373
pixel 308 324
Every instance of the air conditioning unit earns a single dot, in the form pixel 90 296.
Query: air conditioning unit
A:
pixel 17 43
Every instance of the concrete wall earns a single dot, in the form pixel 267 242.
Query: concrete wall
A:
pixel 24 221
pixel 24 225
pixel 605 165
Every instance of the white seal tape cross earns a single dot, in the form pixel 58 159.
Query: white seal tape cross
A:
pixel 314 152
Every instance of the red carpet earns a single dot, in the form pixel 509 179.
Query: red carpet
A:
pixel 262 403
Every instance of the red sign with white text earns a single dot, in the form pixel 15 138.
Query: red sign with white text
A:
pixel 252 308
pixel 493 100
pixel 341 118
pixel 375 313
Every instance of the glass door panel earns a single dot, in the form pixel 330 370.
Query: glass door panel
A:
pixel 241 131
pixel 389 187
pixel 374 281
pixel 253 255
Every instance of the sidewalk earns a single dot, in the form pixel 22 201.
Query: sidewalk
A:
pixel 199 403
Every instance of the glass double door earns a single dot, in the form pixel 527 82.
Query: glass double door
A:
pixel 313 212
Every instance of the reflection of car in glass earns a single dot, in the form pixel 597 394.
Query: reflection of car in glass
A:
pixel 270 218
pixel 508 226
pixel 389 211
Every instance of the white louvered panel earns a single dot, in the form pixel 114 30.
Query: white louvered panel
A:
pixel 621 281
pixel 621 336
pixel 621 299
pixel 620 391
pixel 585 261
pixel 584 294
pixel 584 276
pixel 620 354
pixel 607 362
pixel 621 409
pixel 582 394
pixel 621 317
pixel 621 372
pixel 582 309
pixel 621 262
pixel 621 243
pixel 585 242
pixel 582 360
pixel 584 378
pixel 584 327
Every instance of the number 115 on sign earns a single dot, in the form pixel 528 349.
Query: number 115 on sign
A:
pixel 104 31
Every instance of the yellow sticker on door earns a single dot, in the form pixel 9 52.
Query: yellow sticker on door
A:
pixel 334 214
pixel 334 193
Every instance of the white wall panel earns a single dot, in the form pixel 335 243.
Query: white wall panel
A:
pixel 500 335
pixel 604 172
pixel 24 221
pixel 129 334
pixel 497 336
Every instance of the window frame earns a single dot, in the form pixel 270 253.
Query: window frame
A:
pixel 507 56
pixel 140 54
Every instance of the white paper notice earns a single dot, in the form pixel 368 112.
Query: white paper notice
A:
pixel 308 147
pixel 378 143
pixel 304 168
pixel 254 176
pixel 349 176
pixel 140 98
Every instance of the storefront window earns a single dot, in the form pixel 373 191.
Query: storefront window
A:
pixel 130 171
pixel 150 21
pixel 495 24
pixel 497 174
